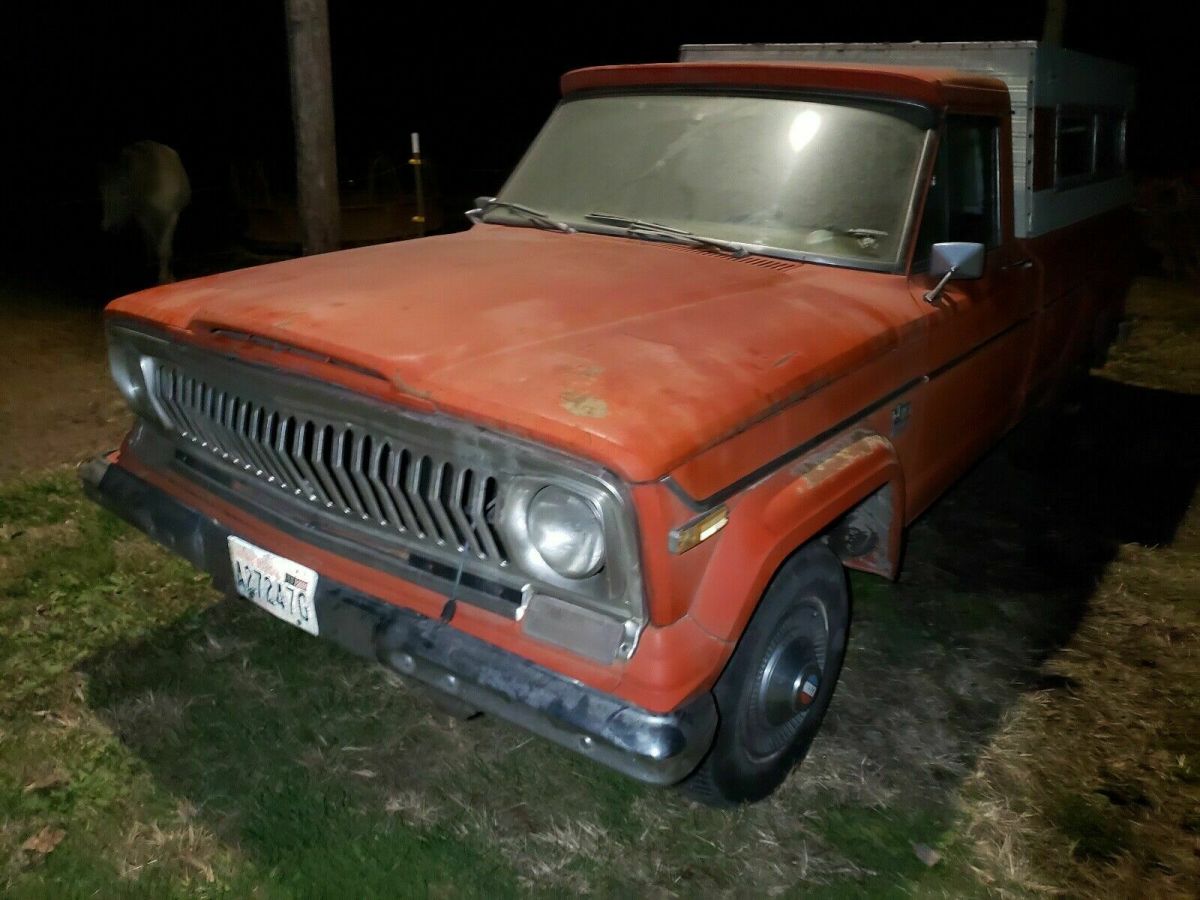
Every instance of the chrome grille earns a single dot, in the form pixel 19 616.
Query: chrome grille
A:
pixel 383 480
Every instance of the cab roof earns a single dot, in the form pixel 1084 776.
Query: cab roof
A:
pixel 934 87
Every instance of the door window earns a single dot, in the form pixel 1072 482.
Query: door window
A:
pixel 963 202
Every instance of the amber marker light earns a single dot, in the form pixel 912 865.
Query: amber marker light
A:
pixel 700 529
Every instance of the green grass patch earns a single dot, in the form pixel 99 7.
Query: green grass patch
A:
pixel 1094 828
pixel 120 707
pixel 34 502
pixel 883 843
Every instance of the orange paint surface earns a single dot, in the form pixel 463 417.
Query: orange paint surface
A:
pixel 557 337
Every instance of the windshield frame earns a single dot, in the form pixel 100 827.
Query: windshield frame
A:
pixel 920 114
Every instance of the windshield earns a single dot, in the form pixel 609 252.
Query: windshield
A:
pixel 826 180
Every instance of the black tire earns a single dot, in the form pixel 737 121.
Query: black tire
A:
pixel 775 690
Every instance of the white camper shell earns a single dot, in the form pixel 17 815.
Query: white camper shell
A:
pixel 1069 111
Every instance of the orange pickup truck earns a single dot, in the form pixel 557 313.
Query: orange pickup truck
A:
pixel 597 464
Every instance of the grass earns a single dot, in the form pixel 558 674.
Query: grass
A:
pixel 1024 703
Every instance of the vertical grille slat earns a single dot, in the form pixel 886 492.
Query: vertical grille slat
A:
pixel 313 445
pixel 359 459
pixel 309 481
pixel 275 440
pixel 340 442
pixel 254 424
pixel 235 415
pixel 394 482
pixel 182 387
pixel 375 475
pixel 412 488
pixel 208 414
pixel 463 481
pixel 192 397
pixel 228 420
pixel 381 480
pixel 321 459
pixel 436 494
pixel 479 516
pixel 204 417
pixel 170 394
pixel 208 407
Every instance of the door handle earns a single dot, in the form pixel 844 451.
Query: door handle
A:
pixel 1025 263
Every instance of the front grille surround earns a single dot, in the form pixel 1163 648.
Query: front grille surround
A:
pixel 361 472
pixel 426 485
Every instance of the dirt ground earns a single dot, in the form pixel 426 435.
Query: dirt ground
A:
pixel 57 403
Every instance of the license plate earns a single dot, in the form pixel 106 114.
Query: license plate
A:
pixel 283 588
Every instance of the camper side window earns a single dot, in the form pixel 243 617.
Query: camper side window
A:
pixel 963 202
pixel 1073 146
pixel 1110 143
pixel 1089 145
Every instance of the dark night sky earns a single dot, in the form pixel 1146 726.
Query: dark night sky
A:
pixel 211 79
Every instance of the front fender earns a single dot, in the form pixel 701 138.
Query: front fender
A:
pixel 772 518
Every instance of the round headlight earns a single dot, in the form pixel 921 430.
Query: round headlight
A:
pixel 566 531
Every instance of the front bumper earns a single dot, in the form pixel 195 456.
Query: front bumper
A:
pixel 657 748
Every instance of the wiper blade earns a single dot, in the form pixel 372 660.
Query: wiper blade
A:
pixel 636 227
pixel 536 216
pixel 857 232
pixel 868 238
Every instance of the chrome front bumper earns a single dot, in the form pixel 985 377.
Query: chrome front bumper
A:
pixel 657 748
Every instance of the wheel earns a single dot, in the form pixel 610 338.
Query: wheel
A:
pixel 775 690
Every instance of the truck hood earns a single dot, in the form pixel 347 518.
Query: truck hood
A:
pixel 634 354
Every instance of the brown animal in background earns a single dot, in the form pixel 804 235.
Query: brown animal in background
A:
pixel 1169 223
pixel 148 186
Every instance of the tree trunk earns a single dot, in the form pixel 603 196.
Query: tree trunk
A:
pixel 312 115
pixel 1052 26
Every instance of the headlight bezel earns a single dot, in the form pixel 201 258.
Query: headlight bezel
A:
pixel 618 573
pixel 127 365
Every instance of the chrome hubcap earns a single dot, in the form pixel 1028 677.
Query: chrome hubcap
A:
pixel 790 681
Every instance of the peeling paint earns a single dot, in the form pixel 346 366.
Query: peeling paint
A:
pixel 816 471
pixel 584 405
pixel 406 388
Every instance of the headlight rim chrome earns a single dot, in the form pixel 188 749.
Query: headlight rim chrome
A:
pixel 128 367
pixel 514 527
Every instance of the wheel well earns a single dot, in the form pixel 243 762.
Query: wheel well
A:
pixel 864 537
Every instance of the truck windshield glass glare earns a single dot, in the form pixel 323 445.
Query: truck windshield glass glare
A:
pixel 819 179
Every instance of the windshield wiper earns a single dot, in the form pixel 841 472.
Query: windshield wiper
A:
pixel 535 216
pixel 639 227
pixel 856 232
pixel 868 238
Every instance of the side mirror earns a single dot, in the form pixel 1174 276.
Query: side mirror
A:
pixel 476 214
pixel 954 259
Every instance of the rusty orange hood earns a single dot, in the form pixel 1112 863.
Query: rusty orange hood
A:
pixel 633 354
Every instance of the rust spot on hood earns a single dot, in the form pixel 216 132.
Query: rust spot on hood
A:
pixel 585 405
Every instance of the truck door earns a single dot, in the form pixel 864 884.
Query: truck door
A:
pixel 978 335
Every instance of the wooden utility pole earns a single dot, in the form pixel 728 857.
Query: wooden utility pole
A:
pixel 312 116
pixel 1052 25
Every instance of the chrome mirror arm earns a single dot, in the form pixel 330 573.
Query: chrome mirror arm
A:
pixel 935 294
